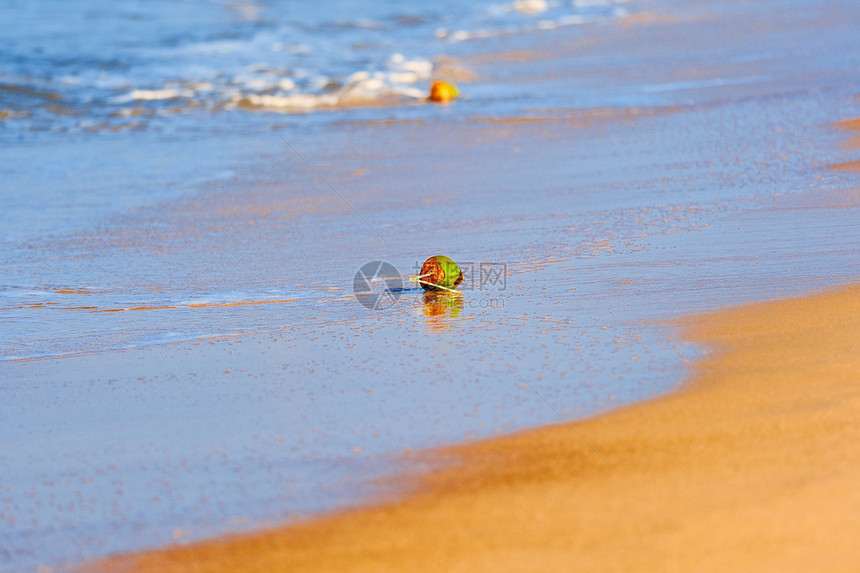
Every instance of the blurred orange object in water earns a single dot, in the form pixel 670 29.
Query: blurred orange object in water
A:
pixel 443 92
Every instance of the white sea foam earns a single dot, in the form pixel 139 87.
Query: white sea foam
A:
pixel 160 94
pixel 531 6
pixel 362 91
pixel 299 91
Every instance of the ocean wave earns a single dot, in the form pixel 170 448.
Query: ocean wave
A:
pixel 360 89
pixel 275 58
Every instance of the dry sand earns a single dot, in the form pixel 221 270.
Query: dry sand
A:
pixel 753 467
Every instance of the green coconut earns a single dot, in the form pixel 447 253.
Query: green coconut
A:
pixel 440 273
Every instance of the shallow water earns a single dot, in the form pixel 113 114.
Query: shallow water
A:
pixel 93 66
pixel 182 353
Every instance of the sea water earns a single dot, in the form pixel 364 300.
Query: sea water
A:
pixel 95 66
pixel 107 108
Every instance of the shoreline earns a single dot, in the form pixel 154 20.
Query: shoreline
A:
pixel 751 464
pixel 623 174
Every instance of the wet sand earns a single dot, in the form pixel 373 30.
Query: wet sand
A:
pixel 852 143
pixel 852 166
pixel 753 466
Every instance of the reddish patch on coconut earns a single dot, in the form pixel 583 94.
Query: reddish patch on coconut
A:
pixel 433 272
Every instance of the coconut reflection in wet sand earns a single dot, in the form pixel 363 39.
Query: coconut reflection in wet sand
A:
pixel 441 309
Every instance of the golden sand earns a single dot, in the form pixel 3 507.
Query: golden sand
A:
pixel 754 467
pixel 853 166
pixel 853 142
pixel 850 124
